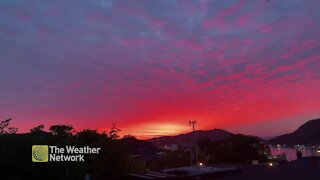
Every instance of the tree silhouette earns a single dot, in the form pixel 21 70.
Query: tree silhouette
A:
pixel 61 130
pixel 128 136
pixel 111 162
pixel 104 133
pixel 4 129
pixel 114 132
pixel 12 130
pixel 37 129
pixel 89 135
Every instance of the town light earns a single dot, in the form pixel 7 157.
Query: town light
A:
pixel 270 164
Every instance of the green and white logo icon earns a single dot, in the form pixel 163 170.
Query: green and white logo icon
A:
pixel 40 153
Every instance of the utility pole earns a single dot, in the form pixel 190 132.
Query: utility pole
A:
pixel 193 124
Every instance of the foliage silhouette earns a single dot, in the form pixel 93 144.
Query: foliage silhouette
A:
pixel 37 129
pixel 5 129
pixel 61 130
pixel 114 132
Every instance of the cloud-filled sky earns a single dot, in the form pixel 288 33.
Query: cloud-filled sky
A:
pixel 247 66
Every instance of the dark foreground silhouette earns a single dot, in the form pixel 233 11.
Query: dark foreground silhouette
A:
pixel 118 156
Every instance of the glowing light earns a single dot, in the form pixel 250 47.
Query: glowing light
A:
pixel 200 164
pixel 270 164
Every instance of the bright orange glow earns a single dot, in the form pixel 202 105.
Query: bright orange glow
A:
pixel 150 130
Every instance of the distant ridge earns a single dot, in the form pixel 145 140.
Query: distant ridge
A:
pixel 187 139
pixel 307 134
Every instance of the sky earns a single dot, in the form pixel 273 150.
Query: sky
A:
pixel 246 66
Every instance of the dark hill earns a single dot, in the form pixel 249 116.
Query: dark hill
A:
pixel 307 134
pixel 187 139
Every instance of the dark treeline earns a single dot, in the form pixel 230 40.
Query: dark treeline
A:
pixel 114 159
pixel 118 156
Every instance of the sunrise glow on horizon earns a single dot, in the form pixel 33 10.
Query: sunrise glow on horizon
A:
pixel 149 67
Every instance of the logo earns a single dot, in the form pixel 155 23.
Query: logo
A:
pixel 40 153
pixel 45 153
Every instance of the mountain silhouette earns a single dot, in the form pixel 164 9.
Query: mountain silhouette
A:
pixel 307 134
pixel 188 138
